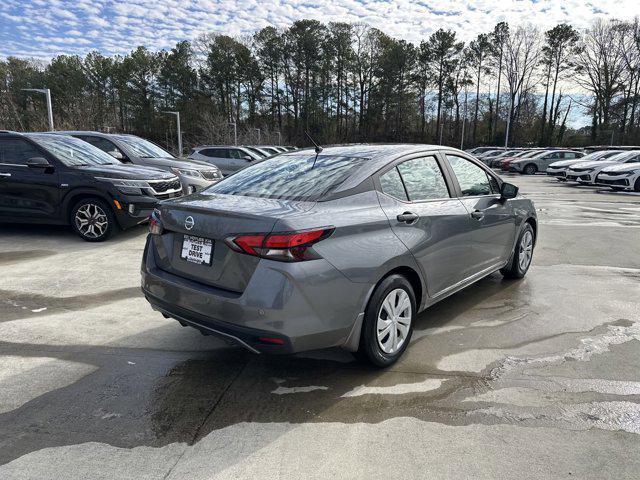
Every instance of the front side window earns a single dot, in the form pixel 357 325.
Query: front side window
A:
pixel 472 179
pixel 391 184
pixel 423 179
pixel 305 177
pixel 16 151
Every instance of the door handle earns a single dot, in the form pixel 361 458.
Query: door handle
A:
pixel 407 217
pixel 477 215
pixel 5 174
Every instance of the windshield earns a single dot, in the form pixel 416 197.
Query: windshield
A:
pixel 622 156
pixel 72 151
pixel 143 148
pixel 289 177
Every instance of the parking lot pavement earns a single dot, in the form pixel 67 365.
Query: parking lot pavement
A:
pixel 538 378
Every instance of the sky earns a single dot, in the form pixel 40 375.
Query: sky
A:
pixel 44 28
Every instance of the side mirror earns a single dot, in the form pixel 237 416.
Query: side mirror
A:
pixel 38 162
pixel 248 158
pixel 116 154
pixel 507 191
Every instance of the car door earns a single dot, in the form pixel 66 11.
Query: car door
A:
pixel 546 160
pixel 428 219
pixel 492 235
pixel 25 192
pixel 106 146
pixel 237 159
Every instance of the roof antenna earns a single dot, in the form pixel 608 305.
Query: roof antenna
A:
pixel 318 147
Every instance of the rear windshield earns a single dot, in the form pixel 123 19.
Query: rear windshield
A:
pixel 290 177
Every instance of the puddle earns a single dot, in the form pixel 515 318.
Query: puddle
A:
pixel 399 389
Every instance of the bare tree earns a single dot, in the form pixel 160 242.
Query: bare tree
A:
pixel 522 53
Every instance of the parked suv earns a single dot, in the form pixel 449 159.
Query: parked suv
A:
pixel 343 248
pixel 228 159
pixel 57 179
pixel 194 176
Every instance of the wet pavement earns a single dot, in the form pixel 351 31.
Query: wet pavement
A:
pixel 537 378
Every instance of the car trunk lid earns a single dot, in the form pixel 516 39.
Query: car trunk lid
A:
pixel 217 217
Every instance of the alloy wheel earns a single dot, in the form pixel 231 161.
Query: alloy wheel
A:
pixel 394 321
pixel 526 251
pixel 91 220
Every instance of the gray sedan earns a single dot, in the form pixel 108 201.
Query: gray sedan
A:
pixel 343 247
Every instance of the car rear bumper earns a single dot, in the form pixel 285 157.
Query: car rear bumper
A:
pixel 303 306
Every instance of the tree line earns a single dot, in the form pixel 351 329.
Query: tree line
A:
pixel 348 83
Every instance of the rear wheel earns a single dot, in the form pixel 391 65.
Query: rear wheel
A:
pixel 522 255
pixel 388 321
pixel 93 220
pixel 530 169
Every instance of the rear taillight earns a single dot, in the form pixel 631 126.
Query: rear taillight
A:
pixel 155 224
pixel 283 247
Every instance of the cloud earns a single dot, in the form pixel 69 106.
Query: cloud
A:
pixel 117 26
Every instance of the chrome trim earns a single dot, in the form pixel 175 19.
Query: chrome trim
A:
pixel 5 174
pixel 13 165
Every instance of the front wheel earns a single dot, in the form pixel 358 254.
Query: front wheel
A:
pixel 388 321
pixel 636 186
pixel 93 220
pixel 522 255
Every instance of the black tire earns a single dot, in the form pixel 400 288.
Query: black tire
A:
pixel 636 186
pixel 530 169
pixel 515 268
pixel 102 213
pixel 370 348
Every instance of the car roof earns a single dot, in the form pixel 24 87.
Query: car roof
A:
pixel 376 155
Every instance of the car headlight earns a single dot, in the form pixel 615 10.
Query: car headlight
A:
pixel 187 172
pixel 128 187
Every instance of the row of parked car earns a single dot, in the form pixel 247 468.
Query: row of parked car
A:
pixel 614 168
pixel 98 182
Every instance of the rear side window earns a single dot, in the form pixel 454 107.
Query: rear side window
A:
pixel 302 177
pixel 472 179
pixel 423 179
pixel 213 152
pixel 16 151
pixel 391 184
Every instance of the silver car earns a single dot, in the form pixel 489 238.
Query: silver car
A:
pixel 228 158
pixel 194 176
pixel 540 162
pixel 341 248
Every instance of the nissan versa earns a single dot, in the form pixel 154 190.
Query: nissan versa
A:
pixel 343 247
pixel 57 179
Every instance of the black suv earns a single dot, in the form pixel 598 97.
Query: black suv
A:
pixel 58 179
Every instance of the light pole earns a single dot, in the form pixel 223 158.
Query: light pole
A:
pixel 47 94
pixel 177 114
pixel 235 132
pixel 258 130
pixel 279 138
pixel 441 130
